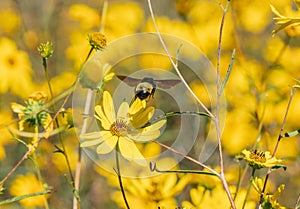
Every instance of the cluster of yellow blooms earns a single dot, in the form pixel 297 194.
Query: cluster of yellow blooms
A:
pixel 257 94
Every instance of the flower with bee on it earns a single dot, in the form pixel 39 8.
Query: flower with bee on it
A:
pixel 123 128
pixel 258 159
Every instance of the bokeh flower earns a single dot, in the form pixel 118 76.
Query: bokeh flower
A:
pixel 258 159
pixel 87 16
pixel 215 198
pixel 153 192
pixel 6 138
pixel 11 23
pixel 28 184
pixel 15 69
pixel 123 129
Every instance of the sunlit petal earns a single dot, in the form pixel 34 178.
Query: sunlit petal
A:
pixel 105 122
pixel 108 145
pixel 17 108
pixel 141 118
pixel 95 135
pixel 108 107
pixel 136 106
pixel 123 111
pixel 91 142
pixel 155 126
pixel 145 136
pixel 129 150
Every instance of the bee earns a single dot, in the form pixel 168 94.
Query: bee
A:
pixel 145 88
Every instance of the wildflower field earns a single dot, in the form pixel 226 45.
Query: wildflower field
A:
pixel 148 104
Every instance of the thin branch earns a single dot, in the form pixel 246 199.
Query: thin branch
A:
pixel 280 136
pixel 173 63
pixel 87 107
pixel 33 146
pixel 189 158
pixel 218 108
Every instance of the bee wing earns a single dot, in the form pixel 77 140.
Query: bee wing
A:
pixel 129 81
pixel 166 84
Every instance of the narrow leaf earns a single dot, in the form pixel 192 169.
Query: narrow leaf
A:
pixel 292 133
pixel 15 199
pixel 228 72
pixel 278 166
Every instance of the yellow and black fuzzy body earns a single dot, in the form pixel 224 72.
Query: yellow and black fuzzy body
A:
pixel 145 88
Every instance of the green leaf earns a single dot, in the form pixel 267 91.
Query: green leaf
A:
pixel 292 133
pixel 154 168
pixel 278 166
pixel 228 72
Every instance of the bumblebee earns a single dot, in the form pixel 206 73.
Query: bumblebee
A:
pixel 145 88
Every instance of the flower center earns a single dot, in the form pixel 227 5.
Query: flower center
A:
pixel 258 156
pixel 11 61
pixel 119 128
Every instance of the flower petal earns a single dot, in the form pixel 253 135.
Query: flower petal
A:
pixel 145 136
pixel 100 115
pixel 94 138
pixel 136 106
pixel 108 145
pixel 141 118
pixel 108 107
pixel 155 126
pixel 129 150
pixel 123 112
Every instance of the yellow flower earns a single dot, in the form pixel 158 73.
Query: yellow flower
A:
pixel 215 198
pixel 34 114
pixel 288 23
pixel 152 192
pixel 253 15
pixel 258 159
pixel 60 82
pixel 123 129
pixel 123 19
pixel 78 48
pixel 11 22
pixel 15 69
pixel 97 40
pixel 270 201
pixel 6 138
pixel 28 184
pixel 87 16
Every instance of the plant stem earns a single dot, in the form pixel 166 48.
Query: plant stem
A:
pixel 120 177
pixel 218 108
pixel 249 187
pixel 280 136
pixel 174 64
pixel 25 156
pixel 57 123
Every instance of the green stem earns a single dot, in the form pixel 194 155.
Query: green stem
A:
pixel 88 56
pixel 249 187
pixel 57 123
pixel 76 200
pixel 40 178
pixel 119 177
pixel 15 199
